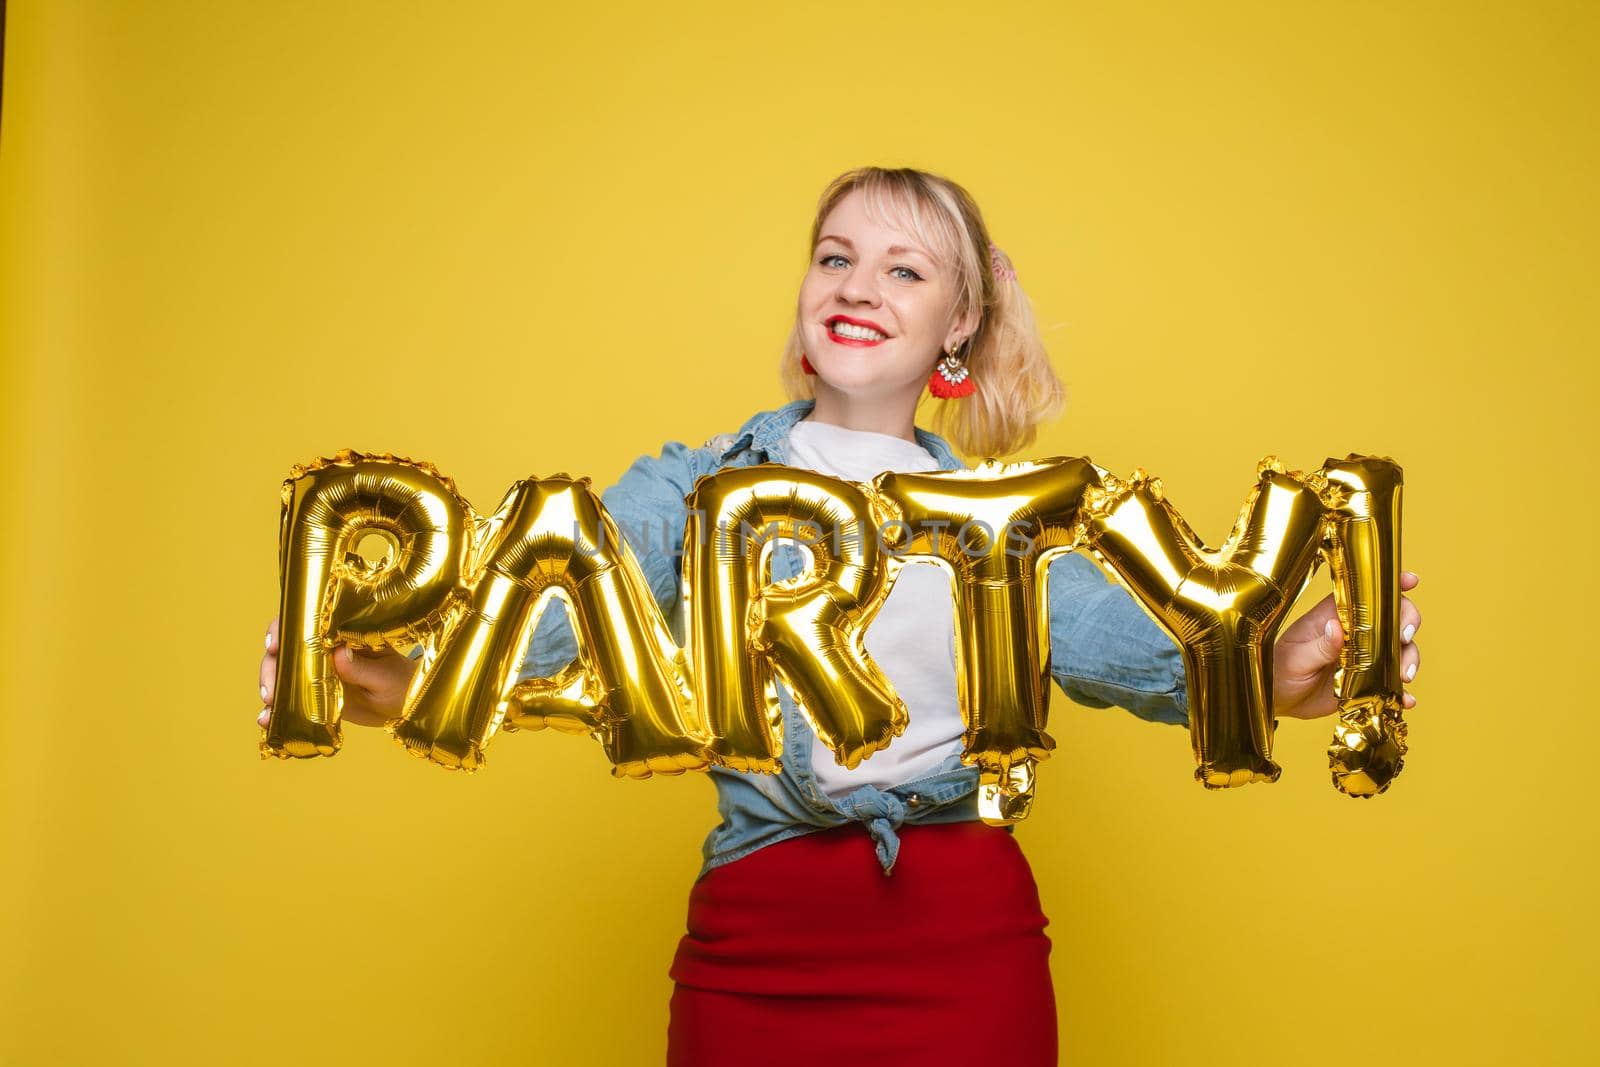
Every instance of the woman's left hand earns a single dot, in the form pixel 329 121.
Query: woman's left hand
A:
pixel 1307 654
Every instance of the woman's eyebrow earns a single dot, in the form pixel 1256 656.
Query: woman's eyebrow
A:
pixel 893 250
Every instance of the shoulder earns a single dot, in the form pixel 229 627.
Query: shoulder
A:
pixel 940 450
pixel 678 465
pixel 719 443
pixel 675 465
pixel 757 436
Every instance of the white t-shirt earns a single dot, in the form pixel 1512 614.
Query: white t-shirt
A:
pixel 912 639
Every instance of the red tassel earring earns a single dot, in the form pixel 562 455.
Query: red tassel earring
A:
pixel 950 378
pixel 805 364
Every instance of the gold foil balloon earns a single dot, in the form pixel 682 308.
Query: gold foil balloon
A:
pixel 331 593
pixel 1007 797
pixel 1369 736
pixel 1223 606
pixel 629 687
pixel 806 630
pixel 995 528
pixel 471 592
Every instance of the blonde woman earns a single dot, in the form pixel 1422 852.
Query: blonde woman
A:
pixel 868 914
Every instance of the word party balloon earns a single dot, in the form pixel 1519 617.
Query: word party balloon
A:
pixel 471 591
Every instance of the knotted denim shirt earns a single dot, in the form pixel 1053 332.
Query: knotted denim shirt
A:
pixel 1104 652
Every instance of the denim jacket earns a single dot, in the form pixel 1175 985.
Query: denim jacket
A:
pixel 1104 651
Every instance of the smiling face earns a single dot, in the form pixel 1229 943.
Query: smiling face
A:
pixel 876 307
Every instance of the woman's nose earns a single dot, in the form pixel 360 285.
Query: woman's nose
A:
pixel 858 287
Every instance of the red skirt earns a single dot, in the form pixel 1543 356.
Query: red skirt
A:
pixel 805 952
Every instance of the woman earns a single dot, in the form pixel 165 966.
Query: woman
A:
pixel 800 943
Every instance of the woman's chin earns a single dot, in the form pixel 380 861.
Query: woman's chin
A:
pixel 860 386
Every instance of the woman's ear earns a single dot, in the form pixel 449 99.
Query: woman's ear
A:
pixel 963 329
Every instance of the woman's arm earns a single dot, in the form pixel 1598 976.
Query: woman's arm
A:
pixel 1105 651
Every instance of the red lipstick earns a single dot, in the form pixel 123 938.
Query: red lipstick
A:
pixel 854 341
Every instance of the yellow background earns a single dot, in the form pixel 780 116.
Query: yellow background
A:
pixel 521 239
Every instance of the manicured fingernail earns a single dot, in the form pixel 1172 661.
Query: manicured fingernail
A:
pixel 1327 628
pixel 263 694
pixel 266 713
pixel 1411 672
pixel 269 638
pixel 1405 635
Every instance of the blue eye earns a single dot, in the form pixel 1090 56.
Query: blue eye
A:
pixel 914 275
pixel 826 260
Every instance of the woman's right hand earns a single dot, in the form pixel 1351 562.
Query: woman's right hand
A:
pixel 374 683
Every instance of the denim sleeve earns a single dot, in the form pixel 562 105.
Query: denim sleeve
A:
pixel 1106 651
pixel 649 507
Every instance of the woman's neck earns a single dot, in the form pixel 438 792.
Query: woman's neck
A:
pixel 873 416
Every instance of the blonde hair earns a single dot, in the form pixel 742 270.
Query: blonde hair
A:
pixel 1017 389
